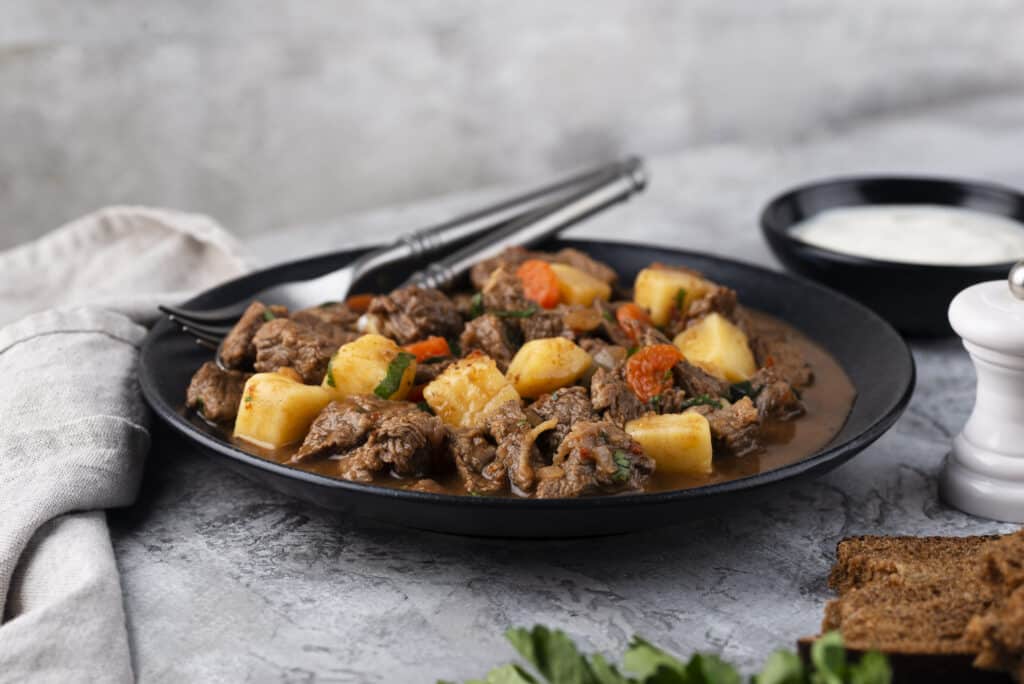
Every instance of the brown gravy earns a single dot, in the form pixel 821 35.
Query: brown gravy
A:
pixel 828 401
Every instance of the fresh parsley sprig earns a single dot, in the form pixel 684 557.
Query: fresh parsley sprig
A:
pixel 557 660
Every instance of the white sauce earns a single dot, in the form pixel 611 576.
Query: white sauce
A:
pixel 916 233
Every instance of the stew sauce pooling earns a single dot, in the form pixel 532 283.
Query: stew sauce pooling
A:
pixel 542 382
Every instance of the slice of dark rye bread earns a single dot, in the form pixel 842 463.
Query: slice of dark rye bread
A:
pixel 931 600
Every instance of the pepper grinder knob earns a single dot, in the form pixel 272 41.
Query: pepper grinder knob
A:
pixel 984 471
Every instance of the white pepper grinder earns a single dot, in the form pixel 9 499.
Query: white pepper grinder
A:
pixel 984 472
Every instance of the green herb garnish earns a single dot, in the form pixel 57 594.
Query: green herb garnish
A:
pixel 268 315
pixel 655 402
pixel 329 378
pixel 622 464
pixel 200 406
pixel 555 659
pixel 520 313
pixel 456 348
pixel 476 305
pixel 329 303
pixel 680 299
pixel 393 378
pixel 742 389
pixel 701 400
pixel 632 350
pixel 248 399
pixel 425 407
pixel 435 359
pixel 607 315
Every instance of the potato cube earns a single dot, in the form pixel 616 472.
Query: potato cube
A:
pixel 577 287
pixel 657 290
pixel 718 346
pixel 678 442
pixel 469 391
pixel 361 367
pixel 546 364
pixel 276 410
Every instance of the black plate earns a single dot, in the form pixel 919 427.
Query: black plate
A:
pixel 913 297
pixel 873 354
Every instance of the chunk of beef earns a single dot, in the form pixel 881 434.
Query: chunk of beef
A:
pixel 509 260
pixel 215 393
pixel 283 342
pixel 414 313
pixel 567 406
pixel 473 453
pixel 695 381
pixel 590 266
pixel 735 428
pixel 491 335
pixel 595 458
pixel 517 456
pixel 545 323
pixel 504 292
pixel 719 299
pixel 774 349
pixel 610 393
pixel 463 302
pixel 776 399
pixel 238 350
pixel 328 317
pixel 370 435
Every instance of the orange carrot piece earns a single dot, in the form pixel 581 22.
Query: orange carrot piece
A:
pixel 649 371
pixel 429 348
pixel 633 319
pixel 360 302
pixel 540 282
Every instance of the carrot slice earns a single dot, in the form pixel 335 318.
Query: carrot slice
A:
pixel 429 348
pixel 540 282
pixel 359 303
pixel 633 319
pixel 649 371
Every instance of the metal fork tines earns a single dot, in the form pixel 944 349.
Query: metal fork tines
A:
pixel 335 285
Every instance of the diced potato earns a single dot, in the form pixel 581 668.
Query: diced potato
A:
pixel 359 367
pixel 277 410
pixel 577 287
pixel 546 364
pixel 468 391
pixel 678 442
pixel 657 290
pixel 718 346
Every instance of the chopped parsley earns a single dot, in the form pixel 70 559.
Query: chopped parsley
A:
pixel 455 347
pixel 268 315
pixel 248 399
pixel 200 406
pixel 476 305
pixel 328 304
pixel 701 400
pixel 632 350
pixel 329 378
pixel 425 407
pixel 608 316
pixel 622 465
pixel 655 402
pixel 680 299
pixel 739 390
pixel 393 378
pixel 517 313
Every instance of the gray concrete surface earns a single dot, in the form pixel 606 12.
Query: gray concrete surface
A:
pixel 227 581
pixel 270 114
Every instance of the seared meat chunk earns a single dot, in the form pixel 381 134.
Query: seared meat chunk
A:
pixel 416 313
pixel 283 342
pixel 776 399
pixel 473 453
pixel 504 292
pixel 238 350
pixel 610 393
pixel 491 335
pixel 509 260
pixel 735 428
pixel 517 454
pixel 774 349
pixel 429 370
pixel 370 435
pixel 215 393
pixel 696 382
pixel 567 406
pixel 610 326
pixel 545 323
pixel 595 458
pixel 719 299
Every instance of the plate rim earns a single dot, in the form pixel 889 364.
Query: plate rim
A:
pixel 839 453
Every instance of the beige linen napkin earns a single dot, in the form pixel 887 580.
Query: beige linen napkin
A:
pixel 74 428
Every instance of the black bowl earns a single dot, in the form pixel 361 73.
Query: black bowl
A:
pixel 913 297
pixel 874 356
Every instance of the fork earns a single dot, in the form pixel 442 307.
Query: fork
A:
pixel 580 196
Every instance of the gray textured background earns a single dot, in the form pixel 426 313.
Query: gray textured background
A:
pixel 267 114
